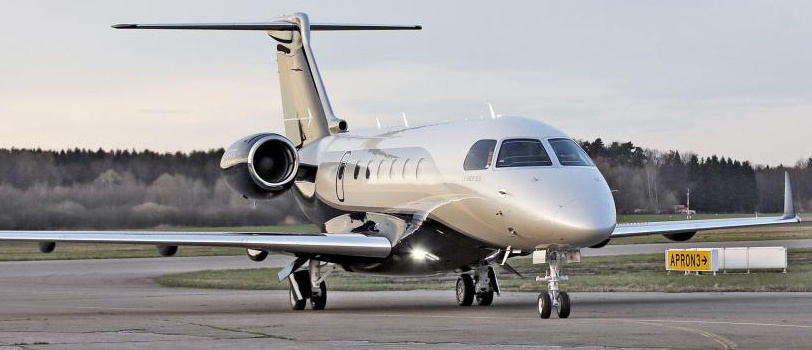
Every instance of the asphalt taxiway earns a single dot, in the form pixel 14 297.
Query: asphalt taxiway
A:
pixel 115 304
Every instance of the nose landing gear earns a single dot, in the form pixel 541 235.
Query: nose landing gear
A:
pixel 553 297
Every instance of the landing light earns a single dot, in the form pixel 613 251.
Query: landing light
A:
pixel 420 254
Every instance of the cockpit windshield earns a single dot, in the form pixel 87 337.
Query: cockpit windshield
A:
pixel 569 153
pixel 480 155
pixel 521 153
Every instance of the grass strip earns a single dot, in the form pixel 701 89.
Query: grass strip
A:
pixel 631 273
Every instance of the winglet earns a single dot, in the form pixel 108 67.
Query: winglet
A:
pixel 789 205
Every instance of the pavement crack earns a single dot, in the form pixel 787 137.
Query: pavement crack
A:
pixel 237 330
pixel 141 331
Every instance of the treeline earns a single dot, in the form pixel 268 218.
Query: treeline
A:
pixel 85 189
pixel 645 180
pixel 128 189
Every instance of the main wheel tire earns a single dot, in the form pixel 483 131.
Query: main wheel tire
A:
pixel 465 290
pixel 296 304
pixel 302 280
pixel 484 298
pixel 545 305
pixel 563 308
pixel 318 303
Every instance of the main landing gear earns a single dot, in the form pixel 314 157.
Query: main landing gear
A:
pixel 308 285
pixel 481 286
pixel 553 297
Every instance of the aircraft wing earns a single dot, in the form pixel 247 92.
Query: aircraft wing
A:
pixel 356 245
pixel 686 226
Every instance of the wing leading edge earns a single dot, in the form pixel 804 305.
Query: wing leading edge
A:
pixel 668 227
pixel 356 245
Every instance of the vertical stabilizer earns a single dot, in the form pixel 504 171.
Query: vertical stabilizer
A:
pixel 306 108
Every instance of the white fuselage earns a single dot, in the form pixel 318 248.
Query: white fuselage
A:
pixel 419 171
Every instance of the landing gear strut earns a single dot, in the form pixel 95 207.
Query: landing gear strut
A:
pixel 481 287
pixel 553 297
pixel 306 285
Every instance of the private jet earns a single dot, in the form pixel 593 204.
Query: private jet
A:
pixel 414 200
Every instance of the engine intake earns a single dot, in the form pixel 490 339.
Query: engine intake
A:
pixel 260 166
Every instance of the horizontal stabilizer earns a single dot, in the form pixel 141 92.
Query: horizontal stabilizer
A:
pixel 306 109
pixel 275 25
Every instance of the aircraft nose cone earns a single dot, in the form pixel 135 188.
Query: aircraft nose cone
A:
pixel 585 222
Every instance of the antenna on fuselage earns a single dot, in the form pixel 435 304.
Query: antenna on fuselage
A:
pixel 493 114
pixel 405 121
pixel 378 121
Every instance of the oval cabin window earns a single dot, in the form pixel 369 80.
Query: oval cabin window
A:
pixel 392 169
pixel 379 173
pixel 405 166
pixel 419 167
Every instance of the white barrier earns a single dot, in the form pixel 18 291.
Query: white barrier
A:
pixel 751 258
pixel 723 259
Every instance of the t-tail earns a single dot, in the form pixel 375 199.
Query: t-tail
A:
pixel 308 114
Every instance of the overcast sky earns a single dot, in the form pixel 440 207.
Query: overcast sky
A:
pixel 723 77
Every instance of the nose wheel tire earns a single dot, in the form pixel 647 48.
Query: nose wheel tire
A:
pixel 563 308
pixel 465 290
pixel 545 305
pixel 318 302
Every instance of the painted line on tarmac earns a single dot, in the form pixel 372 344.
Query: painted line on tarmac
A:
pixel 725 343
pixel 731 323
pixel 112 308
pixel 578 319
pixel 434 316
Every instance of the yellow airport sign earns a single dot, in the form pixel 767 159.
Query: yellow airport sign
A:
pixel 690 260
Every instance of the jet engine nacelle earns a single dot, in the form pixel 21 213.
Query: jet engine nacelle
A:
pixel 680 237
pixel 260 166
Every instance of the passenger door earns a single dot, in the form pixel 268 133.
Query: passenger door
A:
pixel 340 175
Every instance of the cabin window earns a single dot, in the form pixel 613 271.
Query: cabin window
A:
pixel 569 153
pixel 357 171
pixel 380 166
pixel 418 168
pixel 369 165
pixel 405 166
pixel 480 155
pixel 392 169
pixel 522 153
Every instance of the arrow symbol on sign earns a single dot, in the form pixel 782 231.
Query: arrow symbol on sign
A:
pixel 704 260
